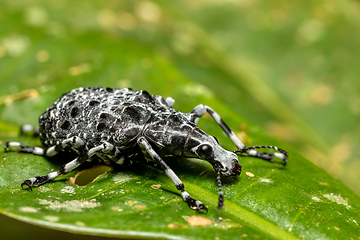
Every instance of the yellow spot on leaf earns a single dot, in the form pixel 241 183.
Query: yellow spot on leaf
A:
pixel 157 186
pixel 243 137
pixel 316 199
pixel 51 218
pixel 139 207
pixel 250 174
pixel 266 180
pixel 130 203
pixel 28 209
pixel 176 226
pixel 116 209
pixel 198 221
pixel 80 224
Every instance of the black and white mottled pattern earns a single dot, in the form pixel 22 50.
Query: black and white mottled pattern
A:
pixel 115 125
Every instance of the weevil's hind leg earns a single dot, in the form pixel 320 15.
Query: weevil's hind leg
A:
pixel 28 129
pixel 148 150
pixel 77 145
pixel 24 149
pixel 66 168
pixel 74 144
pixel 200 110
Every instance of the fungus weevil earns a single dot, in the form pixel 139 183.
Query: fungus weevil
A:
pixel 115 125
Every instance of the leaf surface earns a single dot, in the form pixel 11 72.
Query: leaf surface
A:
pixel 267 201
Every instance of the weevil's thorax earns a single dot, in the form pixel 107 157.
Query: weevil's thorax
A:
pixel 168 131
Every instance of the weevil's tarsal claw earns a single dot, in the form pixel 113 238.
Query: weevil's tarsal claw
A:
pixel 9 145
pixel 27 183
pixel 280 154
pixel 194 204
pixel 35 181
pixel 201 208
pixel 197 205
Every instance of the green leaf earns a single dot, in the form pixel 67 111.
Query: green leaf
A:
pixel 299 200
pixel 86 44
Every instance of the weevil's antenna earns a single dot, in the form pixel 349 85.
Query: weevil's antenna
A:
pixel 221 194
pixel 282 154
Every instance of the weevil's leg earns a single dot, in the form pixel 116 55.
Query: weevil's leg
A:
pixel 170 101
pixel 68 167
pixel 281 154
pixel 193 204
pixel 200 110
pixel 74 143
pixel 24 149
pixel 29 129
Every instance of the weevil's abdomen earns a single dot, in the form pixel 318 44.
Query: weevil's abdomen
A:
pixel 98 114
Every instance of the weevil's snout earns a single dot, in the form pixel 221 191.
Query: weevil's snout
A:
pixel 227 165
pixel 236 168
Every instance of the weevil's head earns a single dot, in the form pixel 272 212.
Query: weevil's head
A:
pixel 203 146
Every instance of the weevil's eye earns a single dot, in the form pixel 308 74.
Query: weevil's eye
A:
pixel 204 151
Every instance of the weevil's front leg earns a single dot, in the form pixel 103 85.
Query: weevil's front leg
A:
pixel 193 204
pixel 281 154
pixel 68 167
pixel 200 110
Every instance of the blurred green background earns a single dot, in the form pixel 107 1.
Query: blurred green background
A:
pixel 289 67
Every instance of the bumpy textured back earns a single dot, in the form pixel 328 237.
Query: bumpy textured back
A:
pixel 96 114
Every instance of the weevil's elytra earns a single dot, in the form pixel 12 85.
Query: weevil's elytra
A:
pixel 115 125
